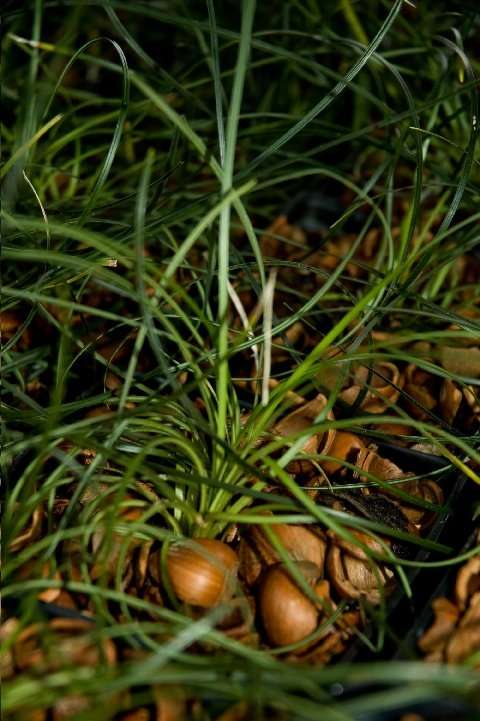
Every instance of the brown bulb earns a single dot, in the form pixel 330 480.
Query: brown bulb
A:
pixel 202 573
pixel 288 616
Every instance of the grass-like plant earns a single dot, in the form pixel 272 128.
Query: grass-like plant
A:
pixel 148 147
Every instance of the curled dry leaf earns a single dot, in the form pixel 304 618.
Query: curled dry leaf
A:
pixel 294 398
pixel 454 635
pixel 139 714
pixel 238 621
pixel 112 382
pixel 352 574
pixel 396 431
pixel 323 652
pixel 467 582
pixel 240 712
pixel 426 490
pixel 471 396
pixel 450 399
pixel 7 630
pixel 284 247
pixel 332 252
pixel 170 703
pixel 420 402
pixel 10 322
pixel 384 386
pixel 466 639
pixel 202 573
pixel 67 642
pixel 99 411
pixel 288 615
pixel 295 336
pixel 434 639
pixel 30 533
pixel 33 570
pixel 301 419
pixel 420 386
pixel 50 647
pixel 369 461
pixel 301 543
pixel 345 447
pixel 38 714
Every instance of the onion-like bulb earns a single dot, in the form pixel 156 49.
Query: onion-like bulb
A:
pixel 288 616
pixel 203 572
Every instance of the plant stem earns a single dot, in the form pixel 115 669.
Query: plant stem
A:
pixel 248 11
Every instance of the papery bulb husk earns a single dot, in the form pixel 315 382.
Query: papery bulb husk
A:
pixel 170 703
pixel 301 543
pixel 301 419
pixel 323 652
pixel 471 396
pixel 345 447
pixel 450 400
pixel 446 616
pixel 239 613
pixel 353 578
pixel 395 431
pixel 465 641
pixel 242 711
pixel 10 322
pixel 427 490
pixel 251 564
pixel 279 247
pixel 288 616
pixel 377 466
pixel 294 337
pixel 467 582
pixel 202 573
pixel 352 573
pixel 418 385
pixel 30 533
pixel 380 394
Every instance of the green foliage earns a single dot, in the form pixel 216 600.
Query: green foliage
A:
pixel 147 147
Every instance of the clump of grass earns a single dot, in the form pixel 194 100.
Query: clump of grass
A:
pixel 148 151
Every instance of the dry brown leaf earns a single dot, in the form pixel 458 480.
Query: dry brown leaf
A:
pixel 450 399
pixel 445 621
pixel 301 543
pixel 170 704
pixel 345 447
pixel 467 582
pixel 352 574
pixel 301 419
pixel 383 387
pixel 465 641
pixel 30 533
pixel 240 712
